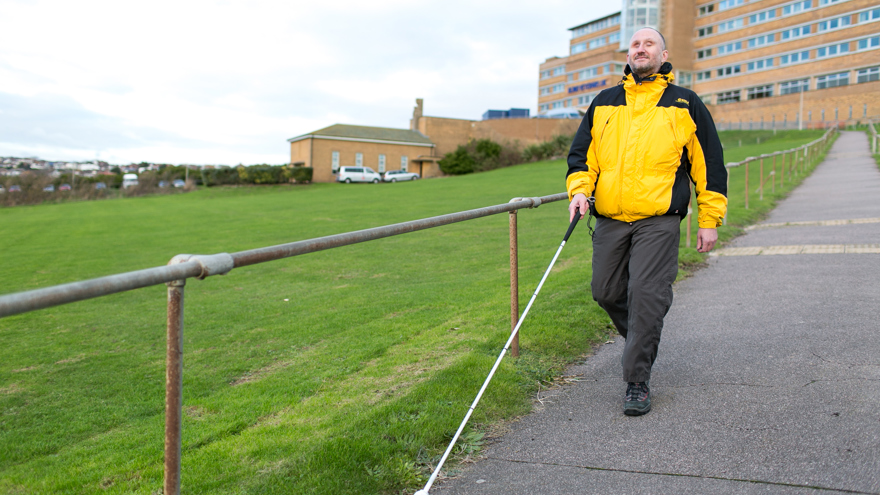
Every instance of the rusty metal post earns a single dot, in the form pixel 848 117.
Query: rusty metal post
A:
pixel 174 387
pixel 797 164
pixel 762 178
pixel 514 283
pixel 747 184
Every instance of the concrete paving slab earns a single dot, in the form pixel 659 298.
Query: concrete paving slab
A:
pixel 767 381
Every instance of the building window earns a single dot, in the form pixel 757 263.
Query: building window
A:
pixel 794 57
pixel 586 99
pixel 614 37
pixel 728 97
pixel 701 76
pixel 868 75
pixel 832 80
pixel 404 161
pixel 707 99
pixel 704 31
pixel 826 2
pixel 760 92
pixel 730 25
pixel 762 16
pixel 730 48
pixel 729 70
pixel 707 9
pixel 588 73
pixel 830 51
pixel 728 4
pixel 704 53
pixel 358 159
pixel 869 43
pixel 796 32
pixel 596 43
pixel 334 163
pixel 556 71
pixel 381 164
pixel 834 23
pixel 798 86
pixel 796 7
pixel 869 15
pixel 761 40
pixel 580 47
pixel 761 64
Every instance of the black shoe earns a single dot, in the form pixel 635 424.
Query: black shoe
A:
pixel 637 400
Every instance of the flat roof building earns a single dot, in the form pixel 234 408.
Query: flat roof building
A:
pixel 760 63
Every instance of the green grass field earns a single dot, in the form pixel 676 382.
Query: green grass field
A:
pixel 344 371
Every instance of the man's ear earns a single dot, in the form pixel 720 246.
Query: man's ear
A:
pixel 665 55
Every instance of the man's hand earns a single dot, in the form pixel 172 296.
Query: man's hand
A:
pixel 578 204
pixel 706 239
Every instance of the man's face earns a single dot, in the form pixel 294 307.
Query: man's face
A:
pixel 646 53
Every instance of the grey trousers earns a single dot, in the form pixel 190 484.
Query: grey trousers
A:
pixel 634 266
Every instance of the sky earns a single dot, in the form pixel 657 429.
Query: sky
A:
pixel 228 82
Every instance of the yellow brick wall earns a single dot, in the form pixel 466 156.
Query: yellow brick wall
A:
pixel 323 156
pixel 299 152
pixel 786 107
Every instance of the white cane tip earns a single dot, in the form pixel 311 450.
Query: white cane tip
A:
pixel 422 492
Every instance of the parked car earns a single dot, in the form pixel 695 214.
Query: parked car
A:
pixel 64 187
pixel 100 185
pixel 358 174
pixel 49 188
pixel 15 188
pixel 178 183
pixel 397 175
pixel 163 183
pixel 2 189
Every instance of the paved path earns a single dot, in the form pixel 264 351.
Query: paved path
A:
pixel 768 378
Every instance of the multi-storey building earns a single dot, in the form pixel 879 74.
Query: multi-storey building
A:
pixel 801 63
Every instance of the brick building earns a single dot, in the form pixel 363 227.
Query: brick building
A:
pixel 417 149
pixel 379 148
pixel 759 63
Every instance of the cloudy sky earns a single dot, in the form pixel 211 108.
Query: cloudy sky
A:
pixel 227 82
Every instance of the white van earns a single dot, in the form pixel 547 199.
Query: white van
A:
pixel 358 174
pixel 129 180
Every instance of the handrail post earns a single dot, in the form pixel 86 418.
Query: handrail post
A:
pixel 747 184
pixel 514 282
pixel 762 178
pixel 174 387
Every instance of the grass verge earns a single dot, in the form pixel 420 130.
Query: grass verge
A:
pixel 343 371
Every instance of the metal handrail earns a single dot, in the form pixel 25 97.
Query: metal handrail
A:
pixel 201 266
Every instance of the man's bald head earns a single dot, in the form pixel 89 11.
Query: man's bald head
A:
pixel 647 52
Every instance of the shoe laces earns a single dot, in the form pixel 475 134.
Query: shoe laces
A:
pixel 636 391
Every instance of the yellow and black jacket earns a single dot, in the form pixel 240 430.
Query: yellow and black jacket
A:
pixel 639 144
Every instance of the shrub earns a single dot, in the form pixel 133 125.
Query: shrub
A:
pixel 557 147
pixel 219 176
pixel 300 175
pixel 459 162
pixel 478 156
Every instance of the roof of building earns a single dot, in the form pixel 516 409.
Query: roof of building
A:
pixel 367 133
pixel 595 20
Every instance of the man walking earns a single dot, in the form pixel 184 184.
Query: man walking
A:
pixel 637 149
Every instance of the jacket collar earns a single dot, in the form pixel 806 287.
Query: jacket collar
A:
pixel 665 73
